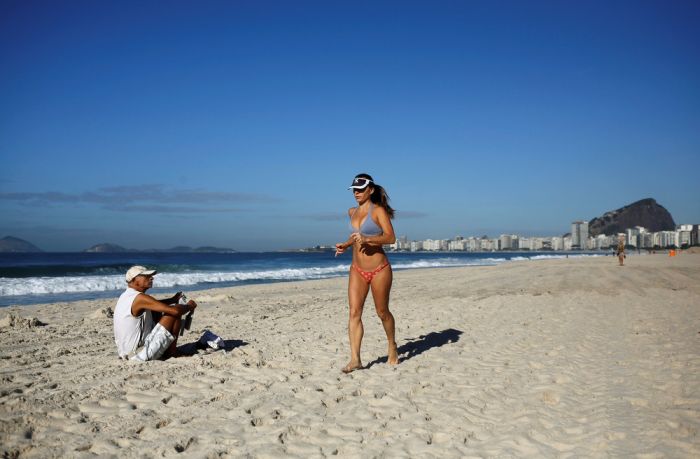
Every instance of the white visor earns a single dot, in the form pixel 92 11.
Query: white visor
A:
pixel 360 183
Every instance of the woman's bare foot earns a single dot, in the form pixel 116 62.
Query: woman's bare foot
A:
pixel 352 366
pixel 393 357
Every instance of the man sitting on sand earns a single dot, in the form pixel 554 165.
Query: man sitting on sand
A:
pixel 146 328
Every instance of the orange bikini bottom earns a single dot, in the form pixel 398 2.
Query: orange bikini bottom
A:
pixel 369 275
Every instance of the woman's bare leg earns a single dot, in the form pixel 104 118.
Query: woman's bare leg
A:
pixel 357 293
pixel 381 288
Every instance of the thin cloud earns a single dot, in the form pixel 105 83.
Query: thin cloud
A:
pixel 149 196
pixel 326 216
pixel 338 216
pixel 49 197
pixel 410 214
pixel 155 208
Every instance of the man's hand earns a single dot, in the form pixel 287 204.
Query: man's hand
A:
pixel 183 309
pixel 191 306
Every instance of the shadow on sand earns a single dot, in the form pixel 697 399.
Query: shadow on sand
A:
pixel 190 349
pixel 417 346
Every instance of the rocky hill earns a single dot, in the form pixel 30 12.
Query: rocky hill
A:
pixel 647 213
pixel 11 244
pixel 114 248
pixel 107 248
pixel 187 249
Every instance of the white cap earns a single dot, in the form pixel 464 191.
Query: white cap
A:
pixel 138 271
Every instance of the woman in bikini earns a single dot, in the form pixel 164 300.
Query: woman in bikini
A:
pixel 371 227
pixel 621 251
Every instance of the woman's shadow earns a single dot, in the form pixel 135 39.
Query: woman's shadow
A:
pixel 417 346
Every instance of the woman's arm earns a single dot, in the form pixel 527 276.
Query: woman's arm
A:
pixel 341 246
pixel 384 222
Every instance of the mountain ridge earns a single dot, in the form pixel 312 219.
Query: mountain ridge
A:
pixel 646 213
pixel 11 244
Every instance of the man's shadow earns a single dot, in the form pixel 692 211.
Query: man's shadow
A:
pixel 417 346
pixel 194 347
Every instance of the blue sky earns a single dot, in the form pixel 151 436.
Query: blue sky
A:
pixel 241 123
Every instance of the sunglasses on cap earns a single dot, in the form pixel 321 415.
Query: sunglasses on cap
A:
pixel 360 183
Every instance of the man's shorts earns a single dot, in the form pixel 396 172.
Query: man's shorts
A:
pixel 155 344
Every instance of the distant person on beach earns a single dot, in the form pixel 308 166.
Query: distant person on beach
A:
pixel 621 252
pixel 370 223
pixel 146 328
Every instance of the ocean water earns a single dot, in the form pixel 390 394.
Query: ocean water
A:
pixel 53 277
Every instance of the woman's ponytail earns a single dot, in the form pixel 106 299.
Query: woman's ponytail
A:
pixel 380 198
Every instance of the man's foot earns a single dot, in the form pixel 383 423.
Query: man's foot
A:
pixel 393 357
pixel 350 367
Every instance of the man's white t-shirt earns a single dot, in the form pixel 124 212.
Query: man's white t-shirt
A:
pixel 130 331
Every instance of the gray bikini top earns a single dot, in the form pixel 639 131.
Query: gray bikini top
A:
pixel 368 227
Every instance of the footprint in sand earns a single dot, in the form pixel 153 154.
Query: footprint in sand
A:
pixel 106 407
pixel 550 398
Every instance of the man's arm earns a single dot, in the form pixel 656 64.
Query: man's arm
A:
pixel 171 300
pixel 145 302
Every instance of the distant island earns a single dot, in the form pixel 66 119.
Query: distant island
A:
pixel 114 248
pixel 186 249
pixel 10 244
pixel 107 248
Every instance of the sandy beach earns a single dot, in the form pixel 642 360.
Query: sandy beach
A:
pixel 555 358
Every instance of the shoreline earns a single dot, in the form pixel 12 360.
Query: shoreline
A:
pixel 242 277
pixel 531 358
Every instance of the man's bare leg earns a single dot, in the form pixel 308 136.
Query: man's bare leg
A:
pixel 172 324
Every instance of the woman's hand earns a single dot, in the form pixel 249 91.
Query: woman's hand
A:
pixel 340 248
pixel 358 238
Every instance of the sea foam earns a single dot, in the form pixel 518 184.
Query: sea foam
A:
pixel 114 282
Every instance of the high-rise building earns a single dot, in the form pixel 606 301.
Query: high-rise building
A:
pixel 474 244
pixel 506 242
pixel 688 235
pixel 524 243
pixel 457 244
pixel 537 243
pixel 646 240
pixel 557 243
pixel 567 243
pixel 416 246
pixel 579 235
pixel 633 237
